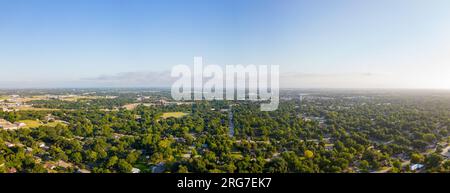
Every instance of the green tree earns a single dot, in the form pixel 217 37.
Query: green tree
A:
pixel 309 154
pixel 124 166
pixel 182 169
pixel 417 158
pixel 433 160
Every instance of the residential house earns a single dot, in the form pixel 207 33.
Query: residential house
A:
pixel 135 170
pixel 415 167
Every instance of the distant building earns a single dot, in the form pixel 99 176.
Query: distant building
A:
pixel 63 164
pixel 161 102
pixel 49 118
pixel 12 170
pixel 5 109
pixel 19 124
pixel 43 146
pixel 8 144
pixel 6 125
pixel 49 165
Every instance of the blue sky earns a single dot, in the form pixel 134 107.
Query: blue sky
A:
pixel 320 43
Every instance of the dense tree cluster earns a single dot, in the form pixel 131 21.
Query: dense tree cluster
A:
pixel 322 132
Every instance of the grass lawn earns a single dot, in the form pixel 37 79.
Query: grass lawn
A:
pixel 237 155
pixel 35 124
pixel 53 124
pixel 173 114
pixel 31 123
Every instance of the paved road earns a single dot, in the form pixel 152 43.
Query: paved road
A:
pixel 230 118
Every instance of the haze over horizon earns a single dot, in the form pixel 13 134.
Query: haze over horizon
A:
pixel 318 44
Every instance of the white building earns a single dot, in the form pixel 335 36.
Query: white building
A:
pixel 135 170
pixel 416 167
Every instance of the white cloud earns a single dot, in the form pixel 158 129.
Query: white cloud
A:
pixel 144 79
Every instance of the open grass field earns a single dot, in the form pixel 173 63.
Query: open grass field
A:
pixel 35 123
pixel 173 114
pixel 53 124
pixel 31 123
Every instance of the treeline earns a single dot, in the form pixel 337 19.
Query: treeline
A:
pixel 312 135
